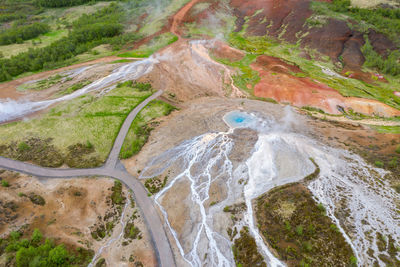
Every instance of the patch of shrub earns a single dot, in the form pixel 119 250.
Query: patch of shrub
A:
pixel 379 164
pixel 87 32
pixel 117 196
pixel 4 183
pixel 307 243
pixel 245 250
pixel 17 34
pixel 78 156
pixel 38 252
pixel 39 151
pixel 132 232
pixel 37 199
pixel 101 263
pixel 62 3
pixel 154 185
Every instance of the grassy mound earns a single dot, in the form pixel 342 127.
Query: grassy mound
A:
pixel 297 228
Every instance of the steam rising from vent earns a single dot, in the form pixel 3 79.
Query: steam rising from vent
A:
pixel 10 109
pixel 344 178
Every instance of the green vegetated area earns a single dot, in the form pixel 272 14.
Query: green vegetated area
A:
pixel 155 44
pixel 298 229
pixel 61 3
pixel 291 53
pixel 104 226
pixel 18 33
pixel 86 32
pixel 46 34
pixel 245 250
pixel 385 155
pixel 155 184
pixel 141 127
pixel 217 22
pixel 382 19
pixel 386 129
pixel 81 132
pixel 255 46
pixel 41 84
pixel 21 250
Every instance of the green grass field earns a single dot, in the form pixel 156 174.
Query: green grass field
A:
pixel 58 19
pixel 41 41
pixel 154 45
pixel 87 120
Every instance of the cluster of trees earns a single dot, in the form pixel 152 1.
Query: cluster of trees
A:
pixel 17 34
pixel 17 9
pixel 38 252
pixel 390 65
pixel 385 20
pixel 87 32
pixel 61 3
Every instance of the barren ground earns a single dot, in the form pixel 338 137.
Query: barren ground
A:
pixel 72 207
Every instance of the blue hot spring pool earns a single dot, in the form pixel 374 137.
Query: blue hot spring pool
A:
pixel 240 119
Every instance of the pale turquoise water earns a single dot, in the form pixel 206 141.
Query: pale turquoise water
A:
pixel 239 119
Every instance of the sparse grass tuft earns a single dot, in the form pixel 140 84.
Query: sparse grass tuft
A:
pixel 4 183
pixel 154 45
pixel 379 164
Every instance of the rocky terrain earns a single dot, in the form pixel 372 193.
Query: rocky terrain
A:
pixel 275 140
pixel 79 213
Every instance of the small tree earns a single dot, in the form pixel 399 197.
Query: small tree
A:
pixel 58 255
pixel 36 237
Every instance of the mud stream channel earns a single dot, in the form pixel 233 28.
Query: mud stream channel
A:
pixel 278 156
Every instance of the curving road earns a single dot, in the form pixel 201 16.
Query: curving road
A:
pixel 159 238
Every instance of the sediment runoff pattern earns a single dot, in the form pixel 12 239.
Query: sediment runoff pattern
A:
pixel 280 156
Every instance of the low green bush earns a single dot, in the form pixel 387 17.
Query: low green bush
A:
pixel 379 164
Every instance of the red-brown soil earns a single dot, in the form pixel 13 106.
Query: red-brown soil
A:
pixel 287 19
pixel 277 83
pixel 179 17
pixel 222 50
pixel 72 207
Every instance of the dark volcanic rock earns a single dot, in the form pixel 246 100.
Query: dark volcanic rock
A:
pixel 380 43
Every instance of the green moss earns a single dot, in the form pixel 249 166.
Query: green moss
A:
pixel 75 87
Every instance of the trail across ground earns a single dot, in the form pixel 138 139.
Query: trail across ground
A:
pixel 159 238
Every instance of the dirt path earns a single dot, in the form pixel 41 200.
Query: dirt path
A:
pixel 178 17
pixel 162 247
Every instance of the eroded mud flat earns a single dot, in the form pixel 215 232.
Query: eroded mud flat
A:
pixel 217 155
pixel 95 214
